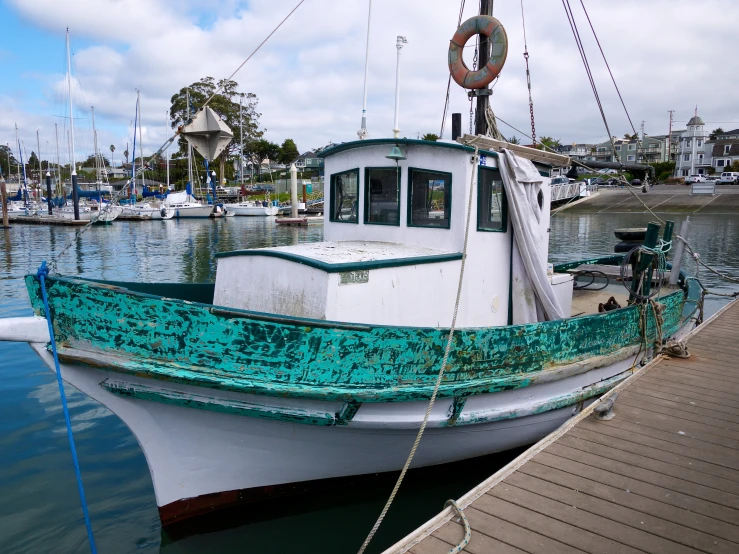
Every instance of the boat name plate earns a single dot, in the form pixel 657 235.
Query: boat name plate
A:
pixel 354 277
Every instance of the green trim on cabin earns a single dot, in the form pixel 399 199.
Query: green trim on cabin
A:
pixel 351 145
pixel 195 344
pixel 347 266
pixel 503 207
pixel 332 202
pixel 366 204
pixel 202 293
pixel 447 198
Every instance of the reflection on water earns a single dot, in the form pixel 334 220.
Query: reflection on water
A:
pixel 40 512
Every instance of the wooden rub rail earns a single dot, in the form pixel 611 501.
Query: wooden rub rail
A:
pixel 662 476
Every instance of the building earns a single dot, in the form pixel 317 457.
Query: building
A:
pixel 580 152
pixel 728 135
pixel 695 154
pixel 724 153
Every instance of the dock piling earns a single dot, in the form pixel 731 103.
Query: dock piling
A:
pixel 4 201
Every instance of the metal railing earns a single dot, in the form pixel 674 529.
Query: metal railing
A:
pixel 565 190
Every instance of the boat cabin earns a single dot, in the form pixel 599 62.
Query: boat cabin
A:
pixel 394 232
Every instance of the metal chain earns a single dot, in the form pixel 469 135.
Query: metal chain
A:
pixel 472 111
pixel 528 76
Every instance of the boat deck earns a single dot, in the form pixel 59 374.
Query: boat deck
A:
pixel 662 476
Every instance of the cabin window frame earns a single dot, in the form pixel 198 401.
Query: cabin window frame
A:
pixel 367 201
pixel 332 182
pixel 503 207
pixel 447 198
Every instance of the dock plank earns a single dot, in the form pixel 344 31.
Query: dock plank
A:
pixel 660 477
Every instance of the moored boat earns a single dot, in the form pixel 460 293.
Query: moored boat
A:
pixel 260 382
pixel 252 208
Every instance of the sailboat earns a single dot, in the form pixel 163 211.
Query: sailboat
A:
pixel 308 364
pixel 143 210
pixel 184 203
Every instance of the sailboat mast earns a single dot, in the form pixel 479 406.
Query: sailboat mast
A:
pixel 38 158
pixel 241 137
pixel 141 144
pixel 58 161
pixel 166 132
pixel 97 156
pixel 189 148
pixel 75 194
pixel 362 133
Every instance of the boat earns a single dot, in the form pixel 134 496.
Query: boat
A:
pixel 252 208
pixel 305 365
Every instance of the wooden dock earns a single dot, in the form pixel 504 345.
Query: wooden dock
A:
pixel 47 220
pixel 661 477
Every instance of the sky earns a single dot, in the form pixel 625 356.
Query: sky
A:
pixel 309 75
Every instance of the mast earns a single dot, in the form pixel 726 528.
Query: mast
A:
pixel 241 137
pixel 97 157
pixel 483 95
pixel 141 146
pixel 189 149
pixel 75 193
pixel 58 160
pixel 132 187
pixel 38 158
pixel 166 132
pixel 23 165
pixel 362 133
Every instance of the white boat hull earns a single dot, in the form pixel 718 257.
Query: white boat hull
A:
pixel 195 453
pixel 186 212
pixel 252 210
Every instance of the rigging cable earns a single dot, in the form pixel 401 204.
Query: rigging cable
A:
pixel 528 75
pixel 449 80
pixel 218 89
pixel 581 49
pixel 607 66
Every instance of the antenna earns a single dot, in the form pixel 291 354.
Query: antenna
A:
pixel 399 42
pixel 362 133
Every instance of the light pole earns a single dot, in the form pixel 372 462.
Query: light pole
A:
pixel 400 41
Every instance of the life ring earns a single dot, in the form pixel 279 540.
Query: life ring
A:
pixel 490 27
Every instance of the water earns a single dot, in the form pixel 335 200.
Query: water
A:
pixel 40 510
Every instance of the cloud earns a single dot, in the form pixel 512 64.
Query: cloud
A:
pixel 309 75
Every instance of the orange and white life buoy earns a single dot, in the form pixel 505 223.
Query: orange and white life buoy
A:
pixel 490 27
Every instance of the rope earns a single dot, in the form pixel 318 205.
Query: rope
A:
pixel 41 275
pixel 467 531
pixel 448 348
pixel 253 52
pixel 449 80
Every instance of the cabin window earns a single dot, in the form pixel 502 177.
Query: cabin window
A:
pixel 491 201
pixel 382 196
pixel 429 198
pixel 345 196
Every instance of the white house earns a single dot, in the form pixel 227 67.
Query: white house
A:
pixel 695 155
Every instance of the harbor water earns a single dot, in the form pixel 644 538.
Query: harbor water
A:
pixel 40 511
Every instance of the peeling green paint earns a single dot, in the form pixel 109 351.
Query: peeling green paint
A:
pixel 268 354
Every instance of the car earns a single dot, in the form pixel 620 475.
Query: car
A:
pixel 560 181
pixel 695 179
pixel 712 178
pixel 728 178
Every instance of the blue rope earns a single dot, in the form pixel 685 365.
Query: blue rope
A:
pixel 41 274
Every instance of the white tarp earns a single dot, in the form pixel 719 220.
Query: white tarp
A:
pixel 532 295
pixel 176 198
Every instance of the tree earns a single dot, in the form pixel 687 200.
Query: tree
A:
pixel 549 142
pixel 32 160
pixel 226 104
pixel 734 166
pixel 125 154
pixel 514 140
pixel 8 163
pixel 710 170
pixel 433 137
pixel 288 152
pixel 112 151
pixel 663 170
pixel 716 131
pixel 635 136
pixel 258 150
pixel 90 161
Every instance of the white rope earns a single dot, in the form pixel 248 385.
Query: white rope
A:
pixel 441 370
